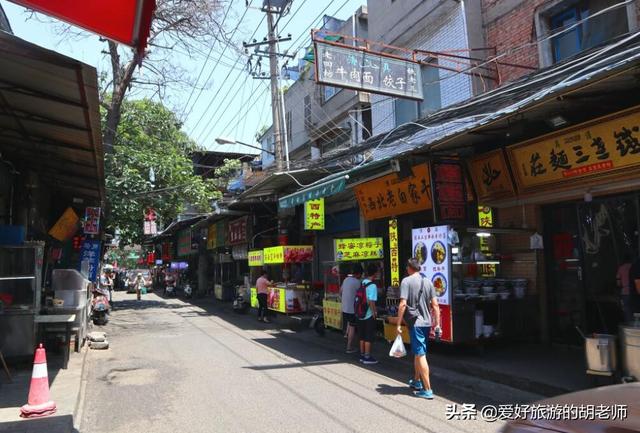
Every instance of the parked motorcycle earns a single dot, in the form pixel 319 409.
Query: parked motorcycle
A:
pixel 100 307
pixel 241 302
pixel 317 320
pixel 170 286
pixel 187 291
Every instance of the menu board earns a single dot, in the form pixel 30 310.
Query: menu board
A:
pixel 429 246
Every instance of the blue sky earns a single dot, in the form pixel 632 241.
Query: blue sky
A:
pixel 247 105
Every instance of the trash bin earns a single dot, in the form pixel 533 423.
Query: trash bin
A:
pixel 600 350
pixel 630 348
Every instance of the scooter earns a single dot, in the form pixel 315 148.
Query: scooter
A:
pixel 187 290
pixel 170 286
pixel 100 307
pixel 240 304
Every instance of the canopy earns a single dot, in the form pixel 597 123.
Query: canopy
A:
pixel 124 21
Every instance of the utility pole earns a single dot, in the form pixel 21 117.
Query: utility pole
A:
pixel 275 90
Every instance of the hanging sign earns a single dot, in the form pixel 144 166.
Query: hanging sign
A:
pixel 390 196
pixel 238 231
pixel 90 258
pixel 358 249
pixel 314 214
pixel 356 68
pixel 431 251
pixel 449 195
pixel 212 237
pixel 394 259
pixel 485 216
pixel 490 176
pixel 184 243
pixel 92 221
pixel 66 225
pixel 255 258
pixel 604 147
pixel 150 228
pixel 324 189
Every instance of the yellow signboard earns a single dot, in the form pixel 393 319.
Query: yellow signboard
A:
pixel 394 259
pixel 485 216
pixel 485 219
pixel 66 225
pixel 604 147
pixel 254 297
pixel 256 258
pixel 332 311
pixel 212 237
pixel 358 249
pixel 273 255
pixel 288 254
pixel 389 196
pixel 277 299
pixel 490 176
pixel 314 214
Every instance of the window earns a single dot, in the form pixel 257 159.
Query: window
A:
pixel 408 110
pixel 329 92
pixel 589 33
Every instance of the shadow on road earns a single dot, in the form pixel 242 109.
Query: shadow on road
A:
pixel 295 365
pixel 50 424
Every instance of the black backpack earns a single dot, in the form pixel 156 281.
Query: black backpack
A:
pixel 360 304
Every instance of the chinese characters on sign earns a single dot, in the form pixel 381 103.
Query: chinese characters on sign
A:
pixel 288 254
pixel 150 228
pixel 432 251
pixel 314 214
pixel 184 243
pixel 356 69
pixel 608 146
pixel 332 312
pixel 389 196
pixel 449 195
pixel 485 219
pixel 358 249
pixel 490 176
pixel 238 231
pixel 323 190
pixel 212 237
pixel 90 258
pixel 91 221
pixel 394 259
pixel 255 258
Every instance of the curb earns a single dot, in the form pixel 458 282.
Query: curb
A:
pixel 78 410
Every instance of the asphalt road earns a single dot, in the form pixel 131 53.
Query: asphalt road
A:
pixel 174 367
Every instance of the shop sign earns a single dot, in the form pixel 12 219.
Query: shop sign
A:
pixel 332 312
pixel 66 225
pixel 485 216
pixel 485 219
pixel 389 196
pixel 394 259
pixel 255 258
pixel 604 147
pixel 92 220
pixel 490 176
pixel 184 242
pixel 238 231
pixel 221 233
pixel 325 189
pixel 166 250
pixel 314 214
pixel 449 194
pixel 431 250
pixel 239 252
pixel 358 249
pixel 355 68
pixel 288 254
pixel 150 228
pixel 212 237
pixel 90 258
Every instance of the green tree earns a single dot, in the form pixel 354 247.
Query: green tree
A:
pixel 150 167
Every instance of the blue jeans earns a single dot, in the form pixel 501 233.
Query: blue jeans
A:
pixel 419 339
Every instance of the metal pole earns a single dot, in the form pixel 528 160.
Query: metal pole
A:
pixel 275 105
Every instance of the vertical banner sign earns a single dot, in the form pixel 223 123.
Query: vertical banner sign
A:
pixel 150 228
pixel 238 231
pixel 485 219
pixel 91 221
pixel 90 258
pixel 212 237
pixel 430 248
pixel 449 195
pixel 314 214
pixel 184 242
pixel 393 253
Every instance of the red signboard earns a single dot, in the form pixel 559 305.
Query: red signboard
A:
pixel 449 194
pixel 238 231
pixel 124 21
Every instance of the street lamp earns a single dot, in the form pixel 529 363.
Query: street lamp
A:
pixel 226 140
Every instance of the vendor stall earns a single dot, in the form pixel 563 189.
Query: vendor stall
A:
pixel 291 268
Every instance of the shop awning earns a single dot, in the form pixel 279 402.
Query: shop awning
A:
pixel 324 189
pixel 125 21
pixel 49 118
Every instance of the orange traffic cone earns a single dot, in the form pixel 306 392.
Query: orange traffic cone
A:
pixel 39 403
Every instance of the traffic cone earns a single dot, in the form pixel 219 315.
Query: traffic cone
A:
pixel 39 403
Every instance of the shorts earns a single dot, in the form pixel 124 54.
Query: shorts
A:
pixel 367 329
pixel 348 318
pixel 419 339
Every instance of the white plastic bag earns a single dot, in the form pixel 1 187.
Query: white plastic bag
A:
pixel 397 349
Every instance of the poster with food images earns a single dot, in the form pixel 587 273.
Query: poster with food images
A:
pixel 430 248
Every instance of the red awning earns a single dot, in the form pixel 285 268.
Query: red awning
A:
pixel 124 21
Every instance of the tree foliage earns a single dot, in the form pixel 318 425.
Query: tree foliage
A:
pixel 150 144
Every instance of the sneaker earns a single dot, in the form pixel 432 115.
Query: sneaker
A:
pixel 416 385
pixel 361 359
pixel 260 319
pixel 351 351
pixel 369 360
pixel 428 394
pixel 265 320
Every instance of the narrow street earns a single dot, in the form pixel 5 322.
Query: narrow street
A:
pixel 175 367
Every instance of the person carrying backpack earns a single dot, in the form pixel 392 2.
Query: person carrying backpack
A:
pixel 417 295
pixel 365 310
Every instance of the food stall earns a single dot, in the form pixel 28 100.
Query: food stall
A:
pixel 347 252
pixel 291 268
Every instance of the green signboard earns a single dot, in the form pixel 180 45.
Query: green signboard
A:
pixel 325 189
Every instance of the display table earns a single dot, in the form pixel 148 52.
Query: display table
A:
pixel 50 323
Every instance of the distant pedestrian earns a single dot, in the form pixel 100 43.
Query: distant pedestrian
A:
pixel 262 287
pixel 348 290
pixel 417 295
pixel 366 314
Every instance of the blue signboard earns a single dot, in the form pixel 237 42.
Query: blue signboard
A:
pixel 90 258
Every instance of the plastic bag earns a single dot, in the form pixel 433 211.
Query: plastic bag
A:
pixel 397 349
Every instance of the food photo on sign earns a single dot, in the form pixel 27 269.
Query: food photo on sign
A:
pixel 431 251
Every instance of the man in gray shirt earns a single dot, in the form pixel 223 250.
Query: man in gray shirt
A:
pixel 417 295
pixel 348 290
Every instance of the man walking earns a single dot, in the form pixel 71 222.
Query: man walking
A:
pixel 417 294
pixel 262 287
pixel 348 290
pixel 367 295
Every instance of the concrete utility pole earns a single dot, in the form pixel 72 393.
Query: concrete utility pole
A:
pixel 275 91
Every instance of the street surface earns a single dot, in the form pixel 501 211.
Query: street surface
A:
pixel 174 367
